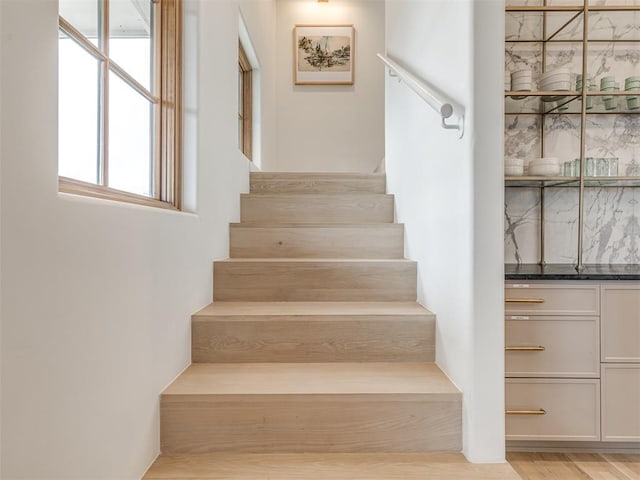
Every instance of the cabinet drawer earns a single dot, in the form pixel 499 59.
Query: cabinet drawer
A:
pixel 620 403
pixel 552 299
pixel 553 409
pixel 552 347
pixel 621 323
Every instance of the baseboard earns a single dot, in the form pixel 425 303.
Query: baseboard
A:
pixel 583 447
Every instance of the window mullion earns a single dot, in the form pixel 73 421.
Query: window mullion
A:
pixel 104 44
pixel 132 82
pixel 156 75
pixel 80 39
pixel 171 105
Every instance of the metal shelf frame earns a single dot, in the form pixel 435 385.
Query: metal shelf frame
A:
pixel 582 181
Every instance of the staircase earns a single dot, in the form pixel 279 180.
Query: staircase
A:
pixel 314 358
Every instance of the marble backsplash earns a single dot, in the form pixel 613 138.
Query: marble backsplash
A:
pixel 612 215
pixel 611 230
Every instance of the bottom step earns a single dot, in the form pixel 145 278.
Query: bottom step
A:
pixel 311 408
pixel 345 466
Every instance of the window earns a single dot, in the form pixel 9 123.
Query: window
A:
pixel 245 103
pixel 119 95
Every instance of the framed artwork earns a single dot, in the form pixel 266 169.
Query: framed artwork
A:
pixel 323 54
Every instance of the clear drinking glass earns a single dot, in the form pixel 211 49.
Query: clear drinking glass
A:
pixel 602 167
pixel 590 167
pixel 568 169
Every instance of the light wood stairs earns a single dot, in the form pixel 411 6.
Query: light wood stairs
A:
pixel 314 360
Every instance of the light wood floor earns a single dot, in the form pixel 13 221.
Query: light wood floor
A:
pixel 575 466
pixel 432 466
pixel 337 466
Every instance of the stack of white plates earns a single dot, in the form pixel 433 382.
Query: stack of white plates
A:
pixel 545 166
pixel 521 81
pixel 513 167
pixel 556 79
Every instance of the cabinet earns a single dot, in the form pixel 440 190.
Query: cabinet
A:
pixel 621 363
pixel 563 212
pixel 572 361
pixel 552 362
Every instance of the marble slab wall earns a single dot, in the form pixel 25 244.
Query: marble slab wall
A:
pixel 612 215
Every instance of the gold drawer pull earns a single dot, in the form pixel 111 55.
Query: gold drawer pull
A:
pixel 524 300
pixel 538 348
pixel 526 412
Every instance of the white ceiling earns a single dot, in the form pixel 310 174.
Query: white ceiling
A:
pixel 127 18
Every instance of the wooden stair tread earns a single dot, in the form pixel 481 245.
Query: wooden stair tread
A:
pixel 326 183
pixel 314 279
pixel 317 260
pixel 339 208
pixel 322 466
pixel 315 175
pixel 423 379
pixel 392 226
pixel 319 310
pixel 319 196
pixel 312 332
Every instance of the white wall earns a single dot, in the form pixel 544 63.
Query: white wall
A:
pixel 260 17
pixel 449 195
pixel 1 63
pixel 331 128
pixel 485 430
pixel 97 295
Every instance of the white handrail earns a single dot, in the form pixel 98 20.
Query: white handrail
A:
pixel 445 107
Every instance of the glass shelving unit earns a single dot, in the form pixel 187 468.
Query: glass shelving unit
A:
pixel 557 24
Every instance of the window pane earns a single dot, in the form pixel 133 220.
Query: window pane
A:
pixel 83 15
pixel 130 122
pixel 130 33
pixel 78 111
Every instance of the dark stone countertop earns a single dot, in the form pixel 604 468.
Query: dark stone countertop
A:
pixel 569 272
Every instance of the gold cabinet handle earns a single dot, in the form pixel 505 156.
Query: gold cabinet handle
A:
pixel 538 348
pixel 541 411
pixel 524 300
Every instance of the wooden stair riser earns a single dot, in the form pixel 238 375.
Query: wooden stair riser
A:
pixel 317 423
pixel 311 208
pixel 310 338
pixel 264 182
pixel 315 241
pixel 315 280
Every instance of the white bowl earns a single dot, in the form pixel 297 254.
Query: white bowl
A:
pixel 521 86
pixel 544 170
pixel 555 77
pixel 522 73
pixel 513 170
pixel 514 162
pixel 545 161
pixel 551 86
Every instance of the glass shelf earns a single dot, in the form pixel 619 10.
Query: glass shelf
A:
pixel 571 8
pixel 536 181
pixel 569 102
pixel 535 26
pixel 564 23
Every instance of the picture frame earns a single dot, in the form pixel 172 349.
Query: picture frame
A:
pixel 323 54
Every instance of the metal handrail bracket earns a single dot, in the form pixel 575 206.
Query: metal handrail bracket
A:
pixel 445 107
